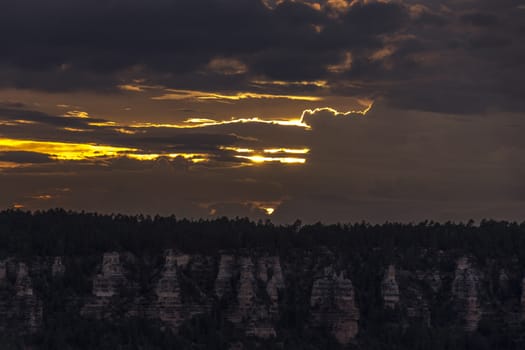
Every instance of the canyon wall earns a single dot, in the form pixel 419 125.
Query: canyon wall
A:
pixel 252 291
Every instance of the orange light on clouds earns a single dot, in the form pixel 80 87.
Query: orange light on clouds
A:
pixel 317 83
pixel 193 157
pixel 208 122
pixel 79 151
pixel 84 151
pixel 336 112
pixel 192 123
pixel 15 122
pixel 262 159
pixel 268 150
pixel 23 121
pixel 269 211
pixel 343 66
pixel 287 150
pixel 43 197
pixel 129 87
pixel 173 94
pixel 125 131
pixel 63 150
pixel 77 114
pixel 76 129
pixel 9 165
pixel 237 150
pixel 102 124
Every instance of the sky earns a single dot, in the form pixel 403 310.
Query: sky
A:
pixel 318 110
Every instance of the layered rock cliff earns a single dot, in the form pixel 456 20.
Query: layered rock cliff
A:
pixel 390 288
pixel 466 293
pixel 254 292
pixel 405 292
pixel 20 307
pixel 523 298
pixel 253 299
pixel 332 303
pixel 107 285
pixel 167 303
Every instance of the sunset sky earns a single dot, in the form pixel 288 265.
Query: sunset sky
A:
pixel 330 110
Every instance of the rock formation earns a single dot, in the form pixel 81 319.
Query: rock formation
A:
pixel 523 298
pixel 266 309
pixel 431 278
pixel 223 282
pixel 182 260
pixel 417 308
pixel 247 290
pixel 58 268
pixel 390 288
pixel 168 307
pixel 465 290
pixel 3 270
pixel 20 306
pixel 270 273
pixel 254 302
pixel 106 284
pixel 29 305
pixel 23 282
pixel 333 305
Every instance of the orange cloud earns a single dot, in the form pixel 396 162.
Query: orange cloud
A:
pixel 262 159
pixel 227 66
pixel 63 150
pixel 210 96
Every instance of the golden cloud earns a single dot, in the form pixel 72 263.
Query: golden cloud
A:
pixel 63 150
pixel 173 94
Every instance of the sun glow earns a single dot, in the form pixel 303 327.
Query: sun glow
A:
pixel 300 122
pixel 267 150
pixel 287 150
pixel 190 123
pixel 336 112
pixel 193 123
pixel 256 156
pixel 262 159
pixel 269 211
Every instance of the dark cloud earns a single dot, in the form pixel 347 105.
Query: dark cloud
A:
pixel 480 19
pixel 410 166
pixel 24 157
pixel 61 46
pixel 13 114
pixel 12 104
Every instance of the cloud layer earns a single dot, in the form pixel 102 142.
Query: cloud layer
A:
pixel 332 110
pixel 447 56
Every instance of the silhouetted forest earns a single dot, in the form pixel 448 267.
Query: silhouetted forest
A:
pixel 64 233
